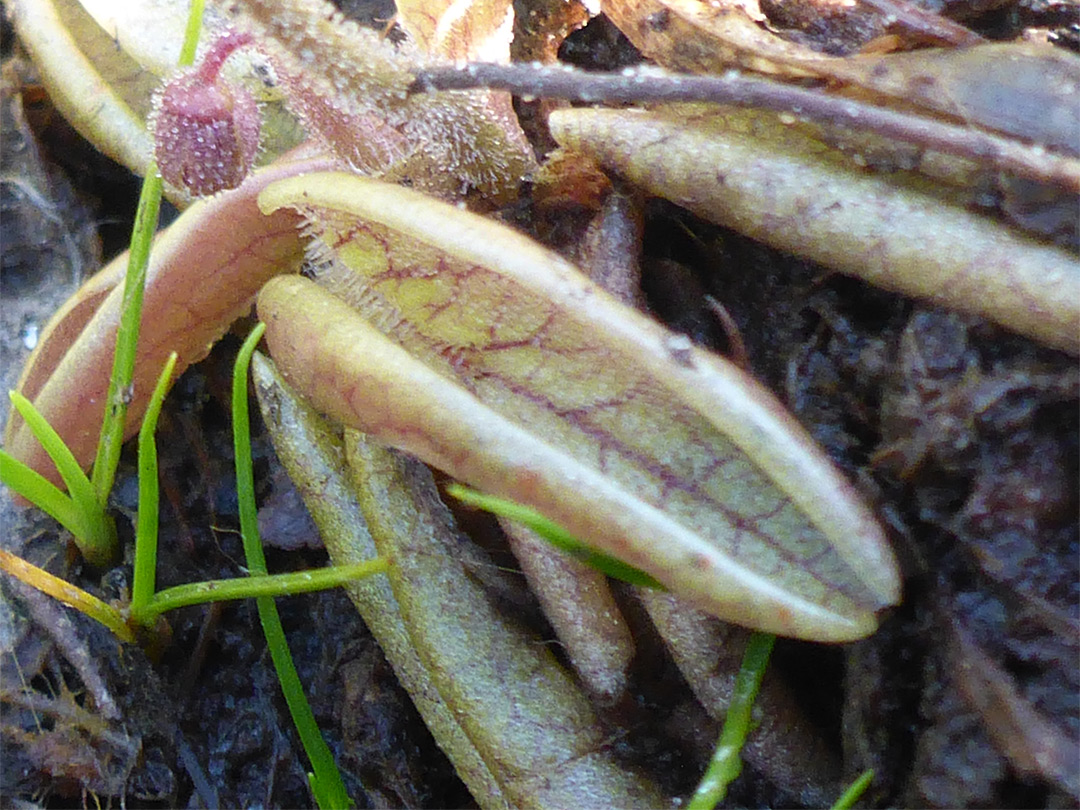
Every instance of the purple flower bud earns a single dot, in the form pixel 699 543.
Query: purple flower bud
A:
pixel 206 131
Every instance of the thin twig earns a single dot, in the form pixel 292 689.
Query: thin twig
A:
pixel 653 85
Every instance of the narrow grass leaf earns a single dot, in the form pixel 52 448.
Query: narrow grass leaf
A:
pixel 118 395
pixel 95 533
pixel 42 493
pixel 326 781
pixel 263 585
pixel 146 528
pixel 855 791
pixel 726 763
pixel 554 534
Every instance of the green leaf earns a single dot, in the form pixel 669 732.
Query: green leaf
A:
pixel 93 529
pixel 726 762
pixel 326 782
pixel 554 534
pixel 42 493
pixel 509 717
pixel 855 791
pixel 146 529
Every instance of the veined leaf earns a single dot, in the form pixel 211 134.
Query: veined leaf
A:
pixel 508 369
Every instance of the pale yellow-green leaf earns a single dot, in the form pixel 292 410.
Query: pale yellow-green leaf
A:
pixel 519 731
pixel 534 727
pixel 511 371
pixel 149 31
pixel 98 89
pixel 314 456
pixel 750 172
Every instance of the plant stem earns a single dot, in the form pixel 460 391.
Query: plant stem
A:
pixel 326 782
pixel 726 760
pixel 659 86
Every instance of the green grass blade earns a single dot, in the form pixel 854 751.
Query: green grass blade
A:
pixel 326 782
pixel 245 474
pixel 855 791
pixel 191 33
pixel 294 582
pixel 554 534
pixel 146 528
pixel 75 479
pixel 95 533
pixel 41 492
pixel 127 335
pixel 726 761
